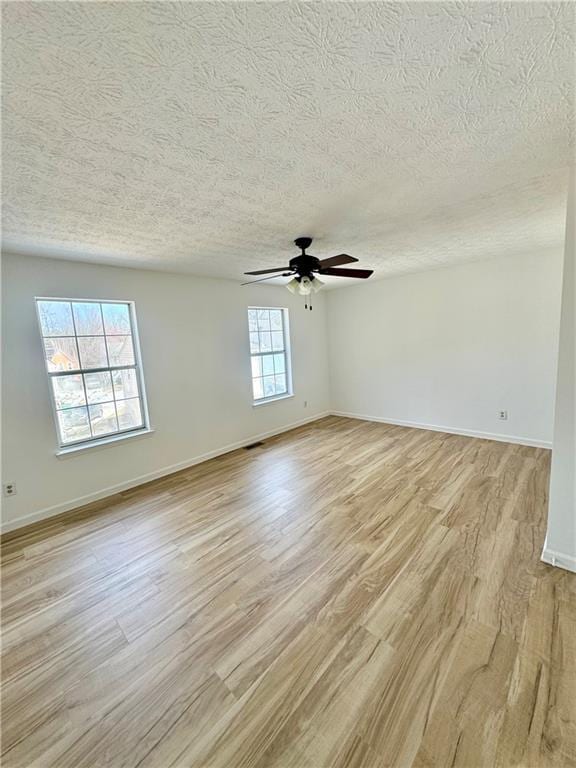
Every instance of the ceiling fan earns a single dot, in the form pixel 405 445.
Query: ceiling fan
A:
pixel 304 268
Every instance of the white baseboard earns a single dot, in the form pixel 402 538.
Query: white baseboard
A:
pixel 532 442
pixel 81 501
pixel 559 559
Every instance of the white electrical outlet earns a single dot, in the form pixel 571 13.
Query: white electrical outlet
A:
pixel 9 489
pixel 503 415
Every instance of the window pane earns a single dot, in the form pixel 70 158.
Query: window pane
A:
pixel 269 386
pixel 55 318
pixel 125 384
pixel 92 352
pixel 74 424
pixel 68 391
pixel 252 320
pixel 277 340
pixel 87 318
pixel 254 343
pixel 276 319
pixel 267 365
pixel 263 320
pixel 103 418
pixel 129 413
pixel 280 384
pixel 61 354
pixel 120 350
pixel 279 364
pixel 258 389
pixel 265 342
pixel 116 318
pixel 256 363
pixel 98 387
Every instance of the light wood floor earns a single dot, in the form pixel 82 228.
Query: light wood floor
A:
pixel 349 594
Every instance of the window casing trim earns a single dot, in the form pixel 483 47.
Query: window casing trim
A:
pixel 271 399
pixel 100 440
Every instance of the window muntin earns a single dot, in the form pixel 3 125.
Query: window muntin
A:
pixel 269 353
pixel 92 361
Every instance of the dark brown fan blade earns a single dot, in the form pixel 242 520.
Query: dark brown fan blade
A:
pixel 336 261
pixel 286 274
pixel 362 273
pixel 267 271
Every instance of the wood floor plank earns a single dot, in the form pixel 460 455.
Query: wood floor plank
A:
pixel 348 595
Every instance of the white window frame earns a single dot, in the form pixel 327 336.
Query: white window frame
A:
pixel 287 352
pixel 113 437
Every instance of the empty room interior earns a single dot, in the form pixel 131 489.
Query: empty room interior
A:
pixel 288 385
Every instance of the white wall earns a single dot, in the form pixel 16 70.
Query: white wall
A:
pixel 194 341
pixel 445 348
pixel 560 547
pixel 451 347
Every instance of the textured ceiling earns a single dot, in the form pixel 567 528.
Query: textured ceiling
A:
pixel 204 137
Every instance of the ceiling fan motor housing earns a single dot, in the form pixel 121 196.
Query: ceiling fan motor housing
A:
pixel 305 265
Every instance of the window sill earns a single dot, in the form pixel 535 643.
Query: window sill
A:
pixel 104 442
pixel 258 403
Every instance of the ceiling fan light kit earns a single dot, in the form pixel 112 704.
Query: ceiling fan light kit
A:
pixel 302 269
pixel 304 286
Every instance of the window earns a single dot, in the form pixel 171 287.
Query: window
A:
pixel 269 353
pixel 92 359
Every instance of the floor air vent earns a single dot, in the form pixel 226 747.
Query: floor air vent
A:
pixel 253 445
